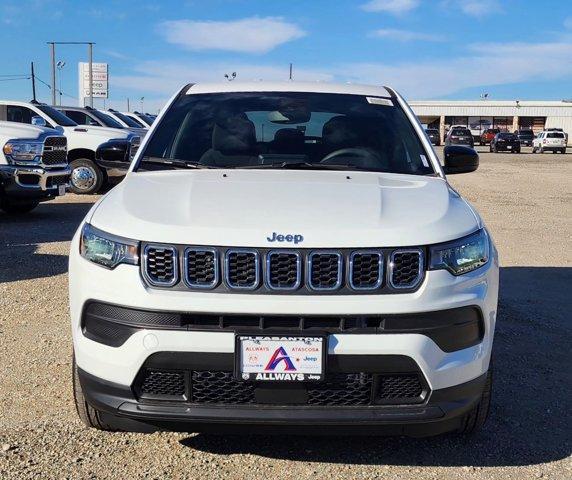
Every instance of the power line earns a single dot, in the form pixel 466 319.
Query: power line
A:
pixel 11 79
pixel 50 87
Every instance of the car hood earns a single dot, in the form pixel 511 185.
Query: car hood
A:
pixel 24 131
pixel 244 207
pixel 104 132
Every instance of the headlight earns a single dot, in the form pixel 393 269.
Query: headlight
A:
pixel 22 151
pixel 461 256
pixel 107 250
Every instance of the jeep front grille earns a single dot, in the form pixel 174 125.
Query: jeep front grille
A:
pixel 406 268
pixel 283 271
pixel 55 151
pixel 161 265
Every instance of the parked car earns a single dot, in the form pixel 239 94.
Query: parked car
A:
pixel 549 141
pixel 460 136
pixel 144 119
pixel 434 136
pixel 319 277
pixel 505 142
pixel 525 137
pixel 488 135
pixel 82 141
pixel 93 117
pixel 127 122
pixel 558 130
pixel 114 158
pixel 33 166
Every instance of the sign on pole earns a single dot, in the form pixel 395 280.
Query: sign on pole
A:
pixel 99 84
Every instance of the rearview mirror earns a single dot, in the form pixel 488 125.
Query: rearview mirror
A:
pixel 114 154
pixel 38 121
pixel 460 159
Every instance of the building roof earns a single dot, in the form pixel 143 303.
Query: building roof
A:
pixel 491 108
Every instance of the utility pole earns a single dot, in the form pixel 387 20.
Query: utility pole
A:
pixel 53 55
pixel 128 104
pixel 90 54
pixel 33 83
pixel 290 71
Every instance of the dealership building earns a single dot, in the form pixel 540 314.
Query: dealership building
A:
pixel 509 115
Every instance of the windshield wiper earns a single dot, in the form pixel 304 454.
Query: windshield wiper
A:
pixel 174 162
pixel 300 166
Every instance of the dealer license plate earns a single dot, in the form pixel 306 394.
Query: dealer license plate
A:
pixel 280 358
pixel 509 147
pixel 61 190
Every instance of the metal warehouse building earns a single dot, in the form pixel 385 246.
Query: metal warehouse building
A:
pixel 507 115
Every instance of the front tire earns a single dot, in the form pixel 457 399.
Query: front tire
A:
pixel 86 177
pixel 90 416
pixel 477 417
pixel 11 208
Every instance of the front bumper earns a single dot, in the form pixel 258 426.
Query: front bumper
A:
pixel 441 411
pixel 37 183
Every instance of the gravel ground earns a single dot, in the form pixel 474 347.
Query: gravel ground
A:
pixel 526 201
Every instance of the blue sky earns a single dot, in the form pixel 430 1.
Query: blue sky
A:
pixel 452 49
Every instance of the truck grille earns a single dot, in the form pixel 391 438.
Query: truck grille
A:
pixel 211 387
pixel 201 267
pixel 55 151
pixel 242 269
pixel 284 271
pixel 161 265
pixel 406 268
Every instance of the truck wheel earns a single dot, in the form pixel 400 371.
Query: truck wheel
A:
pixel 17 208
pixel 476 418
pixel 88 415
pixel 86 176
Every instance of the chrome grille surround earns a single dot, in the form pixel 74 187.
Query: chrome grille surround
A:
pixel 359 253
pixel 227 266
pixel 315 256
pixel 391 268
pixel 216 269
pixel 270 272
pixel 146 265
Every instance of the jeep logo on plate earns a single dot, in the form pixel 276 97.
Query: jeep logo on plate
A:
pixel 290 238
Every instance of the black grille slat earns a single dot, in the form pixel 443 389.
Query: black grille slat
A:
pixel 211 387
pixel 53 154
pixel 366 270
pixel 161 265
pixel 406 268
pixel 325 271
pixel 242 269
pixel 201 268
pixel 341 389
pixel 283 270
pixel 162 383
pixel 400 389
pixel 337 390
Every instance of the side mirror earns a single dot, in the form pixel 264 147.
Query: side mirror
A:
pixel 460 159
pixel 38 121
pixel 114 154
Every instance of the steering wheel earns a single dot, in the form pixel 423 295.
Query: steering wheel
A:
pixel 366 157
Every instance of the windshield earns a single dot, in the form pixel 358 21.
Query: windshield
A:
pixel 507 136
pixel 526 133
pixel 555 135
pixel 297 130
pixel 147 118
pixel 57 116
pixel 129 121
pixel 459 132
pixel 106 119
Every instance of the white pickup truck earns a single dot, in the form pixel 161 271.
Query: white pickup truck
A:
pixel 33 166
pixel 285 257
pixel 82 141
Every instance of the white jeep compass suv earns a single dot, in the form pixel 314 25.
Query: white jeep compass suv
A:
pixel 287 257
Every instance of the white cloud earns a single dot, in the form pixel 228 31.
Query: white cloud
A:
pixel 474 8
pixel 248 35
pixel 485 65
pixel 165 78
pixel 396 7
pixel 406 35
pixel 489 64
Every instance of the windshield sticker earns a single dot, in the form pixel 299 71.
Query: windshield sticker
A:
pixel 424 160
pixel 380 101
